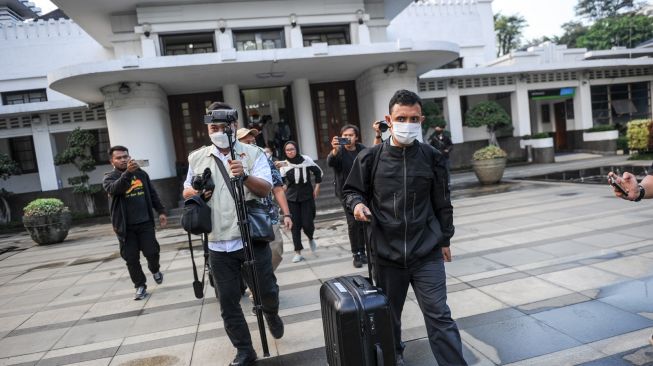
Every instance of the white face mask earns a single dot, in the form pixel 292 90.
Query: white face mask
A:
pixel 405 133
pixel 220 139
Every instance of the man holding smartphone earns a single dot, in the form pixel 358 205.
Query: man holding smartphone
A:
pixel 132 199
pixel 344 150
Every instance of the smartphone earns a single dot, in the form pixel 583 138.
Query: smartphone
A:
pixel 343 141
pixel 142 162
pixel 613 182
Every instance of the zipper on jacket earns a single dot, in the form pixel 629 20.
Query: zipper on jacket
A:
pixel 405 218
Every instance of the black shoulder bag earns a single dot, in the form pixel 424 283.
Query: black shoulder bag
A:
pixel 196 219
pixel 258 214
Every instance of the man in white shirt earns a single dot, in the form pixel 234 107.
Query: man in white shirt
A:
pixel 226 253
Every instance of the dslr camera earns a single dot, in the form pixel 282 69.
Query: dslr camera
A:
pixel 203 182
pixel 227 116
pixel 383 125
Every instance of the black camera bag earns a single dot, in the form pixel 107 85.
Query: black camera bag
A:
pixel 196 216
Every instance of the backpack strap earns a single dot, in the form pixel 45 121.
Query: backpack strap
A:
pixel 225 175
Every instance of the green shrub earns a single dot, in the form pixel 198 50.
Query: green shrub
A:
pixel 489 152
pixel 44 207
pixel 638 134
pixel 489 114
pixel 601 128
pixel 539 135
pixel 622 143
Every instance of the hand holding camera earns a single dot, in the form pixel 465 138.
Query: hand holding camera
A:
pixel 203 184
pixel 132 166
pixel 380 126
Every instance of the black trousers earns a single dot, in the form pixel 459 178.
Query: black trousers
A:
pixel 303 217
pixel 226 270
pixel 428 281
pixel 140 238
pixel 355 230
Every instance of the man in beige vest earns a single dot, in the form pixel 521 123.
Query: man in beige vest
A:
pixel 226 253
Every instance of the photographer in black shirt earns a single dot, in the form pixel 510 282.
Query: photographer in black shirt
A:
pixel 345 148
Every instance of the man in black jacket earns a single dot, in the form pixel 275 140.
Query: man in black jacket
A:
pixel 341 158
pixel 402 185
pixel 132 199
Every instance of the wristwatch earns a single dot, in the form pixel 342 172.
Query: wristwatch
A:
pixel 245 176
pixel 642 193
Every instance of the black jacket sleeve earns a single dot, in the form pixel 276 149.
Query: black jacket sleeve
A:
pixel 448 144
pixel 335 161
pixel 316 172
pixel 358 186
pixel 441 198
pixel 154 197
pixel 115 183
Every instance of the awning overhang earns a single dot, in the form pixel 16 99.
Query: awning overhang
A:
pixel 187 74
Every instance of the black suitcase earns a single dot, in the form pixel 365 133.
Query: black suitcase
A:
pixel 357 321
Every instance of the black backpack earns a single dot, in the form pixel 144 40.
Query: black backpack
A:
pixel 196 216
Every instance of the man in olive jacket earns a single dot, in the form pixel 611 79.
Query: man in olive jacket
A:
pixel 132 199
pixel 402 186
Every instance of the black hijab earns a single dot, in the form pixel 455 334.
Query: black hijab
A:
pixel 298 159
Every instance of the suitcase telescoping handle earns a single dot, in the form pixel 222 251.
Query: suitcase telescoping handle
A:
pixel 371 261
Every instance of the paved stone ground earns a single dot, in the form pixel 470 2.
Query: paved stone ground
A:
pixel 543 274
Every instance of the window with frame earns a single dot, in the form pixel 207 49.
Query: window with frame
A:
pixel 620 103
pixel 546 113
pixel 187 44
pixel 102 145
pixel 22 151
pixel 24 96
pixel 260 39
pixel 331 35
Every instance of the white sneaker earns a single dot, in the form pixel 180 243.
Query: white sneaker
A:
pixel 312 244
pixel 297 258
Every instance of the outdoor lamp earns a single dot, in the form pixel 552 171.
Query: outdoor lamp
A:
pixel 222 25
pixel 293 20
pixel 402 66
pixel 147 29
pixel 124 88
pixel 359 16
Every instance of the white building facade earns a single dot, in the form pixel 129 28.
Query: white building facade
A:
pixel 141 76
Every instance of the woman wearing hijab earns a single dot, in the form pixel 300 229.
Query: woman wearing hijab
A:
pixel 296 171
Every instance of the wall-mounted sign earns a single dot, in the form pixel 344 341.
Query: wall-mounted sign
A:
pixel 562 93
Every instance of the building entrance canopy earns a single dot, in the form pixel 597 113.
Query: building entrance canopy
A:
pixel 185 74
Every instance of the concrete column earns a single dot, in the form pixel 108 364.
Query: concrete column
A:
pixel 301 98
pixel 296 38
pixel 148 48
pixel 231 95
pixel 374 88
pixel 583 106
pixel 454 114
pixel 225 40
pixel 364 34
pixel 139 120
pixel 44 149
pixel 520 110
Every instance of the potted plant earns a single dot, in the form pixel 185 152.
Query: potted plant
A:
pixel 541 144
pixel 490 161
pixel 78 153
pixel 47 220
pixel 601 139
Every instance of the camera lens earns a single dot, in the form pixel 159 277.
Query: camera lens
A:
pixel 383 126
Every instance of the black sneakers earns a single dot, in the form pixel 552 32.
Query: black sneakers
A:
pixel 275 324
pixel 358 262
pixel 141 293
pixel 158 277
pixel 244 358
pixel 363 258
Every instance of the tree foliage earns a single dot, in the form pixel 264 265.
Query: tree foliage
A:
pixel 432 116
pixel 78 153
pixel 8 167
pixel 489 114
pixel 627 30
pixel 600 9
pixel 508 31
pixel 572 31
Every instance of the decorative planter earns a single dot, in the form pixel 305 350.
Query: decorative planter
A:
pixel 602 142
pixel 489 171
pixel 48 229
pixel 543 150
pixel 601 135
